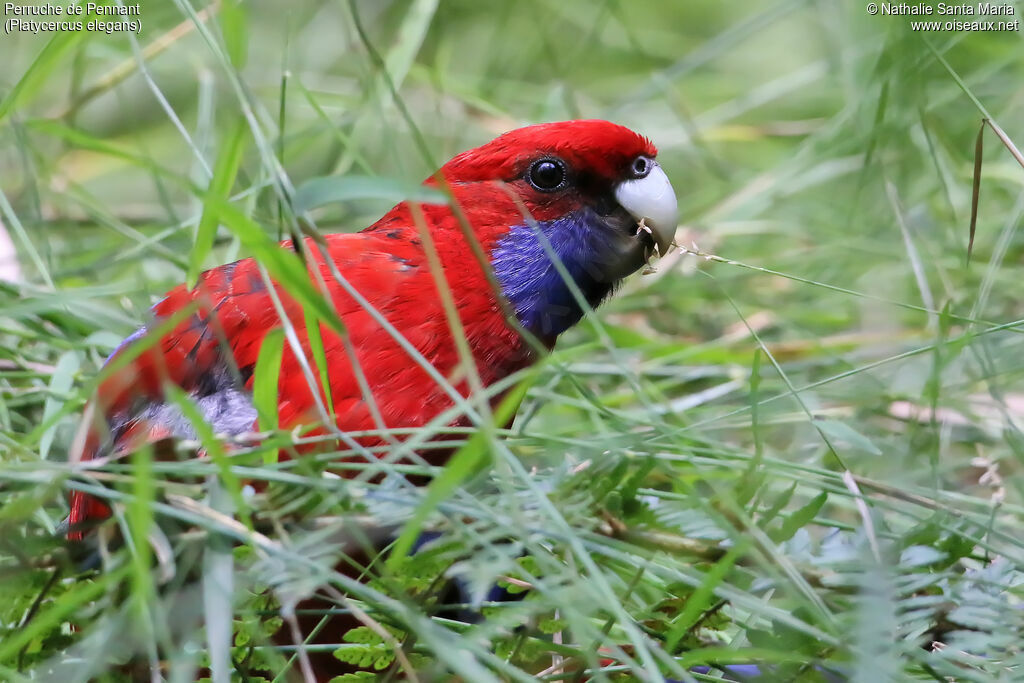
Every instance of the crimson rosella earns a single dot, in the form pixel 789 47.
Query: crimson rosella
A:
pixel 589 192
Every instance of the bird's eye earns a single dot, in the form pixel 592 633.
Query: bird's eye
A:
pixel 547 175
pixel 641 167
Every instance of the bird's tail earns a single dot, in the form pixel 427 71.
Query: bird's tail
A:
pixel 84 507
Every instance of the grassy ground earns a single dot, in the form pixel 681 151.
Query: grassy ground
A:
pixel 803 452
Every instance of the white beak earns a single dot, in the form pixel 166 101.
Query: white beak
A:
pixel 652 200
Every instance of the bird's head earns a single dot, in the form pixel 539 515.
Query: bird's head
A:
pixel 590 192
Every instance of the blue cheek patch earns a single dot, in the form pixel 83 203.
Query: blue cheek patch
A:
pixel 542 300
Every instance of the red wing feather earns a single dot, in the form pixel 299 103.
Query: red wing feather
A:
pixel 224 319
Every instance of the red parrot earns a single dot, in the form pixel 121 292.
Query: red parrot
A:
pixel 592 188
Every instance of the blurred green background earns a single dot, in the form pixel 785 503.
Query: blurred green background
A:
pixel 825 155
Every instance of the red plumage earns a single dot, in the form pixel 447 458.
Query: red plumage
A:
pixel 225 318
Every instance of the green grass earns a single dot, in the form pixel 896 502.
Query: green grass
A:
pixel 797 443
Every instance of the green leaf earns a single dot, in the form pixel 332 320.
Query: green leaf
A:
pixel 60 385
pixel 67 605
pixel 233 25
pixel 316 347
pixel 223 180
pixel 781 502
pixel 283 264
pixel 701 598
pixel 266 377
pixel 799 519
pixel 139 516
pixel 413 30
pixel 845 433
pixel 49 59
pixel 357 677
pixel 83 140
pixel 551 626
pixel 330 189
pixel 363 635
